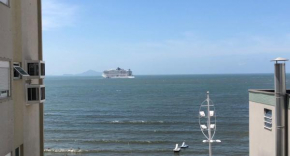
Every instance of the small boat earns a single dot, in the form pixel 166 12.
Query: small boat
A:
pixel 184 145
pixel 176 149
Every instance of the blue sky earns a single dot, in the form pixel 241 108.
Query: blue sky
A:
pixel 165 36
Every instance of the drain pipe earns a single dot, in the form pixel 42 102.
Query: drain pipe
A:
pixel 281 106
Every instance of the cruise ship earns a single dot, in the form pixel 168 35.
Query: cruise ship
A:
pixel 118 73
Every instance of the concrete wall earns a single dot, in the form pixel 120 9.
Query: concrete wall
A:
pixel 30 52
pixel 6 105
pixel 6 127
pixel 20 40
pixel 18 91
pixel 262 141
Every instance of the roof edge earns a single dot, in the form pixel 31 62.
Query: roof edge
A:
pixel 263 91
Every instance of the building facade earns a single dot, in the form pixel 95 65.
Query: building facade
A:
pixel 262 122
pixel 22 91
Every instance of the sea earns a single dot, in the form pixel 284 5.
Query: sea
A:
pixel 148 115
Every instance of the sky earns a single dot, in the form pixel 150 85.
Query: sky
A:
pixel 165 36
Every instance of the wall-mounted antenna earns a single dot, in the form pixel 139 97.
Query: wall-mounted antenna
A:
pixel 206 113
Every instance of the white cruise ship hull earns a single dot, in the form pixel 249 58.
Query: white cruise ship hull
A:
pixel 118 77
pixel 118 74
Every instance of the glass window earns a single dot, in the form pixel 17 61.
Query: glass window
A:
pixel 33 94
pixel 42 93
pixel 16 74
pixel 268 113
pixel 33 69
pixel 21 71
pixel 6 2
pixel 17 152
pixel 5 79
pixel 42 69
pixel 18 71
pixel 268 119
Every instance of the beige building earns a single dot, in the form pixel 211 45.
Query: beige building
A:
pixel 269 116
pixel 262 122
pixel 22 92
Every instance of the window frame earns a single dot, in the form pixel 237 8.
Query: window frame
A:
pixel 268 120
pixel 9 154
pixel 8 3
pixel 9 96
pixel 39 98
pixel 21 75
pixel 39 64
pixel 17 151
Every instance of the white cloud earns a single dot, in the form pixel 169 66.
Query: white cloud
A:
pixel 56 14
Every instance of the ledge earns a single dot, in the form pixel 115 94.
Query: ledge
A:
pixel 3 100
pixel 265 96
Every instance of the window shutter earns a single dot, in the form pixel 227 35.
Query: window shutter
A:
pixel 4 76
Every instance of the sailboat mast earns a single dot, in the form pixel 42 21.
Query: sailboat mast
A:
pixel 208 124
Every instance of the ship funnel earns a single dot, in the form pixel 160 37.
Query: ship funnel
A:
pixel 281 107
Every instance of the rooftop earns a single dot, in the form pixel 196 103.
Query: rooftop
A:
pixel 265 96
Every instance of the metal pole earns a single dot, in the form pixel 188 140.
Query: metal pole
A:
pixel 208 125
pixel 280 109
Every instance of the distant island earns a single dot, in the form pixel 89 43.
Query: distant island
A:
pixel 86 73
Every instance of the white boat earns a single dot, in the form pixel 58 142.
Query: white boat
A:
pixel 118 73
pixel 183 145
pixel 176 149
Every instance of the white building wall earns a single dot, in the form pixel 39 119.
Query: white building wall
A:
pixel 30 52
pixel 262 141
pixel 20 41
pixel 6 127
pixel 6 105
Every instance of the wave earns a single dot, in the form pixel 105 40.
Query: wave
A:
pixel 124 131
pixel 112 141
pixel 120 122
pixel 113 114
pixel 65 150
pixel 52 150
pixel 137 122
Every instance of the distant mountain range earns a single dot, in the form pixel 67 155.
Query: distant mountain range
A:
pixel 86 73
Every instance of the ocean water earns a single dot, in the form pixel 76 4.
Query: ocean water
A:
pixel 147 115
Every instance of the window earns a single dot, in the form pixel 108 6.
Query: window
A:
pixel 16 74
pixel 42 65
pixel 6 2
pixel 5 79
pixel 43 93
pixel 36 69
pixel 17 152
pixel 35 94
pixel 33 69
pixel 9 154
pixel 18 71
pixel 268 119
